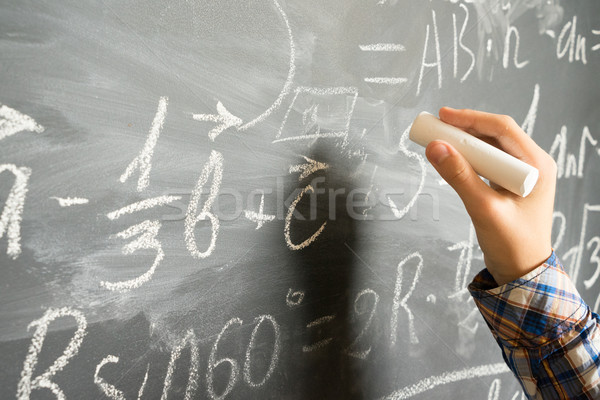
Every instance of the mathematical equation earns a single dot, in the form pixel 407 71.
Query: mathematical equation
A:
pixel 304 115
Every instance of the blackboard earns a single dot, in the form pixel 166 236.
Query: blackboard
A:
pixel 218 199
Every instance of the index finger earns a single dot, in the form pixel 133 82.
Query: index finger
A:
pixel 509 135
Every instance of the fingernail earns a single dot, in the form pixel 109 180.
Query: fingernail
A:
pixel 438 153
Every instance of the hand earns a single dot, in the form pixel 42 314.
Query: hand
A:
pixel 514 233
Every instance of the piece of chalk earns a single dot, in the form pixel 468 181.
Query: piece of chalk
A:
pixel 488 161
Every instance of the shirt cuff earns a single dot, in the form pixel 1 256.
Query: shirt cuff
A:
pixel 532 311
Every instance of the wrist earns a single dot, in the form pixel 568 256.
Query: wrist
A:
pixel 511 268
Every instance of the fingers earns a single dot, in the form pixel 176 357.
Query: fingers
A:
pixel 502 128
pixel 459 174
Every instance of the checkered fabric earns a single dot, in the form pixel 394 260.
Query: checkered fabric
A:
pixel 548 335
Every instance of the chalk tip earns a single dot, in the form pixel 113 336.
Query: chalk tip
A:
pixel 529 182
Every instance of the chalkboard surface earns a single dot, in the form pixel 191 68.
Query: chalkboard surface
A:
pixel 218 199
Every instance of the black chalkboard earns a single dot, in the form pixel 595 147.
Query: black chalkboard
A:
pixel 218 199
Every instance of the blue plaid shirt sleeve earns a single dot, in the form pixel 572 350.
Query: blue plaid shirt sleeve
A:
pixel 549 337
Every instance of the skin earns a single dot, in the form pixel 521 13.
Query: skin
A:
pixel 514 233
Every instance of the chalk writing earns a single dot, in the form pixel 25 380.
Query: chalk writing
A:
pixel 562 228
pixel 143 385
pixel 109 390
pixel 448 377
pixel 259 217
pixel 12 213
pixel 70 201
pixel 224 120
pixel 384 47
pixel 288 223
pixel 438 59
pixel 13 122
pixel 596 47
pixel 274 354
pixel 416 156
pixel 147 231
pixel 575 254
pixel 192 382
pixel 285 90
pixel 494 393
pixel 27 383
pixel 214 166
pixel 294 298
pixel 588 283
pixel 358 311
pixel 402 302
pixel 574 43
pixel 142 205
pixel 309 168
pixel 327 96
pixel 458 40
pixel 512 30
pixel 463 267
pixel 143 161
pixel 529 123
pixel 323 342
pixel 569 165
pixel 213 363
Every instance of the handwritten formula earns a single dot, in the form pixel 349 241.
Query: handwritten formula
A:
pixel 220 200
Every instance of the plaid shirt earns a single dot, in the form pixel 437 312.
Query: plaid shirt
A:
pixel 549 337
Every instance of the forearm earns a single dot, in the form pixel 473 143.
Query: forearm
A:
pixel 549 336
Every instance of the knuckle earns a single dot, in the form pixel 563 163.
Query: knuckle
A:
pixel 506 122
pixel 459 176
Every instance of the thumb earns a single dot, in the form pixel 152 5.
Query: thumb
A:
pixel 459 174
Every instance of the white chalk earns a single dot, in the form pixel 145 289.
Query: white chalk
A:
pixel 488 161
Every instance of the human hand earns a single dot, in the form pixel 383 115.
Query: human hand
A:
pixel 514 233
